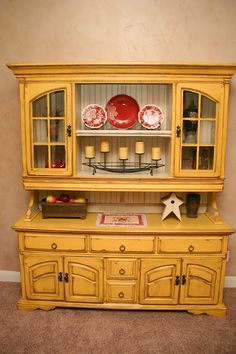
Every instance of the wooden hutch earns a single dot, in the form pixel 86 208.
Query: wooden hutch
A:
pixel 165 265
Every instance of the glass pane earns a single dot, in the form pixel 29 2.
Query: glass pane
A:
pixel 40 131
pixel 58 156
pixel 189 155
pixel 206 158
pixel 190 108
pixel 40 156
pixel 190 128
pixel 208 108
pixel 207 132
pixel 57 130
pixel 40 107
pixel 57 104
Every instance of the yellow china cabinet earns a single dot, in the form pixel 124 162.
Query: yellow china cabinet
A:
pixel 123 132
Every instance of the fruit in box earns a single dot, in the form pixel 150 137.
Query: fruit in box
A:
pixel 80 200
pixel 64 198
pixel 71 208
pixel 51 199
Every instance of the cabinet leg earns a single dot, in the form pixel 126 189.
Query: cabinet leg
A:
pixel 27 306
pixel 215 312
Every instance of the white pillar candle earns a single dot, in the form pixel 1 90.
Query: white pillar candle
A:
pixel 156 153
pixel 139 147
pixel 89 152
pixel 123 153
pixel 105 146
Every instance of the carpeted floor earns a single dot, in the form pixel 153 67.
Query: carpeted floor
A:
pixel 110 332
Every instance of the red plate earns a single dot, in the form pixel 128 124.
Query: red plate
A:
pixel 151 116
pixel 122 111
pixel 94 116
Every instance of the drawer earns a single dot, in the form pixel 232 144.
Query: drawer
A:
pixel 190 244
pixel 121 291
pixel 55 242
pixel 121 268
pixel 121 244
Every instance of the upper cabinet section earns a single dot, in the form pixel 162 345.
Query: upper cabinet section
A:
pixel 200 125
pixel 124 127
pixel 48 122
pixel 135 118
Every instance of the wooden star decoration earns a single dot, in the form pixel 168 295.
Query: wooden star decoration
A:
pixel 172 204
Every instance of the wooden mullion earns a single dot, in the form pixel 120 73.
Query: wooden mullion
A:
pixel 48 118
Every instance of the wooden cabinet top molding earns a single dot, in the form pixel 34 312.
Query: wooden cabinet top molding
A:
pixel 167 69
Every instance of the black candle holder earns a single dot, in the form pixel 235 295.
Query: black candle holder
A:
pixel 124 166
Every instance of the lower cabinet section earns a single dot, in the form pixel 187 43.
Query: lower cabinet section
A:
pixel 159 281
pixel 183 281
pixel 43 277
pixel 123 281
pixel 64 278
pixel 84 282
pixel 200 281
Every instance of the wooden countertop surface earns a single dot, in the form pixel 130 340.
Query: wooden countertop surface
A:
pixel 201 225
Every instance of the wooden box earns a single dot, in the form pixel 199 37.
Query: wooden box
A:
pixel 64 210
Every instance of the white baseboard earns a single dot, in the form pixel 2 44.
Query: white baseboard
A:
pixel 6 275
pixel 230 281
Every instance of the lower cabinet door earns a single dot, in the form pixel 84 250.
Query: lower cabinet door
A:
pixel 43 277
pixel 200 280
pixel 83 279
pixel 160 281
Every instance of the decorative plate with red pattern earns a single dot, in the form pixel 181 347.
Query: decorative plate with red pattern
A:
pixel 122 111
pixel 151 116
pixel 94 116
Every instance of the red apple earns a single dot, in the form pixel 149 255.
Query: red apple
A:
pixel 51 199
pixel 71 200
pixel 64 198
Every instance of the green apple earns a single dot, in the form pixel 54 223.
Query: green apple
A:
pixel 51 199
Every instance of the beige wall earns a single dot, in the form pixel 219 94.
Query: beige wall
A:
pixel 106 30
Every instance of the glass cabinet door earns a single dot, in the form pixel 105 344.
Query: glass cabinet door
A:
pixel 51 133
pixel 196 133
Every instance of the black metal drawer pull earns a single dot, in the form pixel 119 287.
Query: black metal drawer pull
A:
pixel 177 280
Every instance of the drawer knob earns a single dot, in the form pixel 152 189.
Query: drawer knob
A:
pixel 122 248
pixel 122 271
pixel 191 248
pixel 54 246
pixel 121 295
